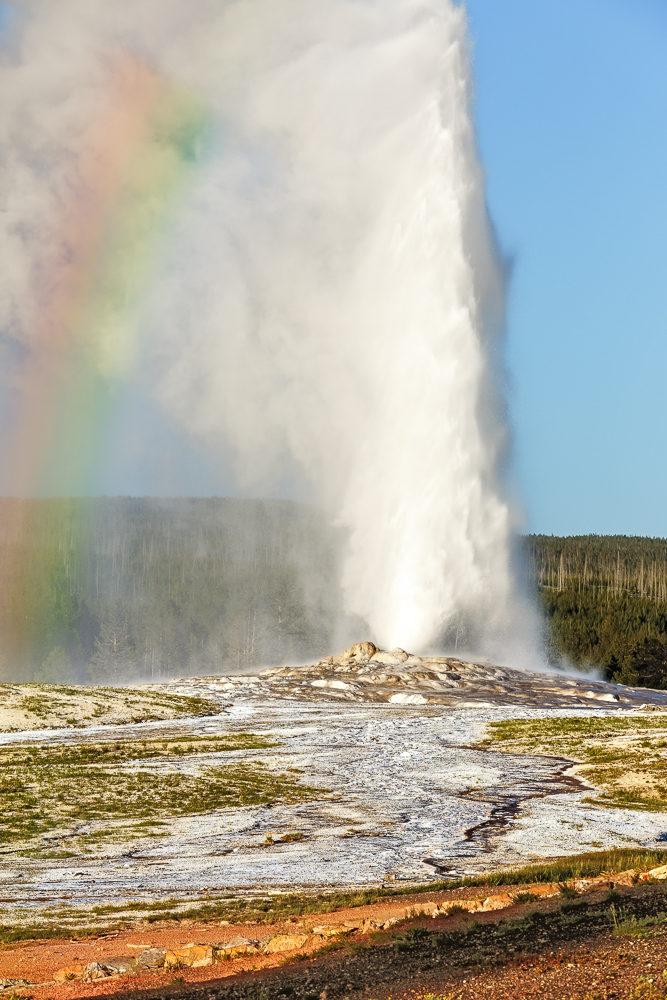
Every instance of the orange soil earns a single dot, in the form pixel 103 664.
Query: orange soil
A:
pixel 37 961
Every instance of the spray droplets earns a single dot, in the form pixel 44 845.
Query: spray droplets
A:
pixel 329 297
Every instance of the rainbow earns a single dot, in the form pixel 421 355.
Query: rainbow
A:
pixel 136 161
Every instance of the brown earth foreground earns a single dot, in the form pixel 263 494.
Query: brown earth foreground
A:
pixel 601 939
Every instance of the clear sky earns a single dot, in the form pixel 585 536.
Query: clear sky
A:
pixel 571 110
pixel 572 126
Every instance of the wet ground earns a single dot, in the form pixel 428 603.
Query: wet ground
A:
pixel 410 798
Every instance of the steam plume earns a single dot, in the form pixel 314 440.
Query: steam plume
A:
pixel 325 295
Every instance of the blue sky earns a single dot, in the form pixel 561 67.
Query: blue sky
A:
pixel 571 111
pixel 572 125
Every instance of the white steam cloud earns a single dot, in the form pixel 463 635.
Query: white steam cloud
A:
pixel 329 296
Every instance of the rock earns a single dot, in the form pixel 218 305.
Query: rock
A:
pixel 363 924
pixel 330 930
pixel 361 652
pixel 545 889
pixel 152 958
pixel 94 971
pixel 658 873
pixel 119 963
pixel 496 902
pixel 422 909
pixel 408 699
pixel 471 905
pixel 390 923
pixel 237 942
pixel 194 956
pixel 69 973
pixel 600 885
pixel 629 877
pixel 237 946
pixel 340 685
pixel 390 659
pixel 285 942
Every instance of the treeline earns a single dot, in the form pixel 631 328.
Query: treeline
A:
pixel 604 599
pixel 106 590
pixel 615 564
pixel 110 589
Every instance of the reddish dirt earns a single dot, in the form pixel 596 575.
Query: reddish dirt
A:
pixel 454 957
pixel 37 961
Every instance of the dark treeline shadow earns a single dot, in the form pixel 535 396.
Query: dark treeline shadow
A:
pixel 112 589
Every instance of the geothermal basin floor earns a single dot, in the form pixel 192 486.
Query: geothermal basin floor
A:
pixel 409 798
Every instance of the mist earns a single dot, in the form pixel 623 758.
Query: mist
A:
pixel 272 216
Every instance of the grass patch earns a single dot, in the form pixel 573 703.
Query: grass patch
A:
pixel 126 751
pixel 48 788
pixel 270 909
pixel 265 909
pixel 625 757
pixel 632 926
pixel 51 705
pixel 562 870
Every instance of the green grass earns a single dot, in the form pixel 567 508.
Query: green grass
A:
pixel 567 726
pixel 563 870
pixel 625 757
pixel 58 704
pixel 67 921
pixel 125 751
pixel 632 926
pixel 47 788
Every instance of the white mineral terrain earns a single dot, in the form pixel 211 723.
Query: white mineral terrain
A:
pixel 365 673
pixel 408 793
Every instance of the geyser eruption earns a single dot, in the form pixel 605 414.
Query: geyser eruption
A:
pixel 322 290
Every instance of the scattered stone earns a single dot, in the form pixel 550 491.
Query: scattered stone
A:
pixel 152 958
pixel 237 946
pixel 94 971
pixel 194 956
pixel 658 873
pixel 285 942
pixel 119 963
